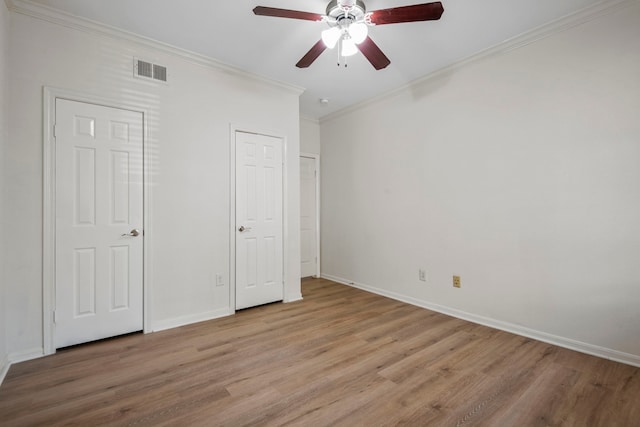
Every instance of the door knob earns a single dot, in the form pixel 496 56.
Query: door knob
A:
pixel 133 233
pixel 243 228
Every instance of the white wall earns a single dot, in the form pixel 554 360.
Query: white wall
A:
pixel 4 106
pixel 309 136
pixel 189 132
pixel 519 172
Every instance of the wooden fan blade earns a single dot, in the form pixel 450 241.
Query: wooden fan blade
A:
pixel 286 13
pixel 417 12
pixel 312 55
pixel 372 52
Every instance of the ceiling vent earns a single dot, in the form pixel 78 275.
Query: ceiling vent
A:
pixel 148 70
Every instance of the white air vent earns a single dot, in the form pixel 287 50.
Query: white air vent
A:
pixel 160 72
pixel 148 70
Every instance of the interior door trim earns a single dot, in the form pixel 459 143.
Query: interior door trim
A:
pixel 233 129
pixel 50 94
pixel 316 158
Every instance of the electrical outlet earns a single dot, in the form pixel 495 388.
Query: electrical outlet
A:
pixel 456 281
pixel 422 274
pixel 219 280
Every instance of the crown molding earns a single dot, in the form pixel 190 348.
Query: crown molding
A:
pixel 309 119
pixel 580 17
pixel 54 16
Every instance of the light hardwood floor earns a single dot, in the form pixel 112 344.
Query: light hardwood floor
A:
pixel 341 357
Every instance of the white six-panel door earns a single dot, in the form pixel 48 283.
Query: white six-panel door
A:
pixel 308 217
pixel 258 225
pixel 98 228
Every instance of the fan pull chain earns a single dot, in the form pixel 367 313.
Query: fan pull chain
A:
pixel 339 52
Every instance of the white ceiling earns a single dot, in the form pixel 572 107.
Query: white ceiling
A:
pixel 228 31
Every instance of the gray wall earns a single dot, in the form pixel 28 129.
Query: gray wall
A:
pixel 189 124
pixel 518 172
pixel 4 106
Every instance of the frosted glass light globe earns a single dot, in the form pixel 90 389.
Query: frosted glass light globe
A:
pixel 349 47
pixel 331 36
pixel 358 32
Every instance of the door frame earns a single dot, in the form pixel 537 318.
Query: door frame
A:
pixel 233 129
pixel 50 94
pixel 316 157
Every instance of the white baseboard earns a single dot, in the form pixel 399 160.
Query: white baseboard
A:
pixel 23 356
pixel 17 357
pixel 293 298
pixel 176 322
pixel 4 367
pixel 594 350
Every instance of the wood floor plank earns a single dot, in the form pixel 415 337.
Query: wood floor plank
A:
pixel 340 357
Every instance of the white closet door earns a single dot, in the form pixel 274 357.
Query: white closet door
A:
pixel 98 229
pixel 259 230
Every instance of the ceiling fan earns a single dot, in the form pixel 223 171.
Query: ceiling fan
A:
pixel 348 22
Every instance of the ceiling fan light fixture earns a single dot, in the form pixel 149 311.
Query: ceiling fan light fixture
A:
pixel 348 22
pixel 348 47
pixel 358 32
pixel 331 36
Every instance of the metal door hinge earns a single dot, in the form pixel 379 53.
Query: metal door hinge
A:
pixel 55 131
pixel 55 316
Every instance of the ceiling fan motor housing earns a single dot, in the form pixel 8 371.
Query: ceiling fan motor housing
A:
pixel 355 8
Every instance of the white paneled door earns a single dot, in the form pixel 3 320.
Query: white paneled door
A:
pixel 308 217
pixel 98 224
pixel 258 227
